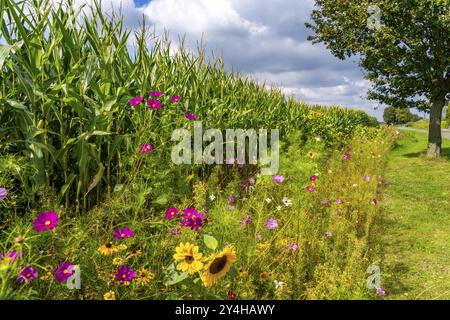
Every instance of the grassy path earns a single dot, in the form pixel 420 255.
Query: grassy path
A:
pixel 416 222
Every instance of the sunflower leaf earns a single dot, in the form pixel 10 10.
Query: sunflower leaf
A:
pixel 210 242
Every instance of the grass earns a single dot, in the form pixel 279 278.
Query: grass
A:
pixel 415 233
pixel 424 124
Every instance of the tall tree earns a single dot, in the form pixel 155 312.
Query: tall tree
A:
pixel 403 47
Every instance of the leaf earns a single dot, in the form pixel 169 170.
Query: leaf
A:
pixel 173 276
pixel 97 178
pixel 5 50
pixel 161 200
pixel 210 242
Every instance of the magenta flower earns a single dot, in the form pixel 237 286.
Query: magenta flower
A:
pixel 245 185
pixel 346 156
pixel 293 246
pixel 191 116
pixel 313 178
pixel 154 104
pixel 328 234
pixel 374 201
pixel 176 99
pixel 367 178
pixel 64 271
pixel 125 274
pixel 123 233
pixel 12 256
pixel 155 94
pixel 192 219
pixel 3 194
pixel 241 165
pixel 339 201
pixel 349 149
pixel 251 180
pixel 171 213
pixel 27 274
pixel 271 224
pixel 135 101
pixel 278 179
pixel 46 220
pixel 310 188
pixel 146 148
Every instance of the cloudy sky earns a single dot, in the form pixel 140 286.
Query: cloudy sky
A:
pixel 265 39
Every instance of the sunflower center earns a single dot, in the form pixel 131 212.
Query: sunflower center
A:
pixel 47 223
pixel 218 264
pixel 189 259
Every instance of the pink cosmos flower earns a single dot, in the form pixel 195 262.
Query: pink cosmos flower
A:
pixel 155 94
pixel 192 219
pixel 191 116
pixel 12 256
pixel 367 178
pixel 293 246
pixel 328 234
pixel 64 271
pixel 123 233
pixel 339 201
pixel 27 274
pixel 46 220
pixel 146 148
pixel 171 213
pixel 278 179
pixel 154 104
pixel 346 156
pixel 135 101
pixel 176 99
pixel 251 180
pixel 125 274
pixel 271 224
pixel 3 194
pixel 310 188
pixel 313 178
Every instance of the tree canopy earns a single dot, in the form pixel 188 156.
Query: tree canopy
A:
pixel 403 47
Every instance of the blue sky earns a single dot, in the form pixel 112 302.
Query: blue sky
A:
pixel 264 39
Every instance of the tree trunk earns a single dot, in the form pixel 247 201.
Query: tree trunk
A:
pixel 435 134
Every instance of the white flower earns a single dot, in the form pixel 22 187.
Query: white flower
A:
pixel 287 202
pixel 317 139
pixel 278 208
pixel 278 284
pixel 212 197
pixel 355 185
pixel 268 200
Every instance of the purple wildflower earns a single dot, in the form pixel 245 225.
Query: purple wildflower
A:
pixel 146 148
pixel 381 292
pixel 154 104
pixel 27 274
pixel 278 179
pixel 155 94
pixel 135 101
pixel 3 194
pixel 171 213
pixel 293 246
pixel 46 220
pixel 123 233
pixel 271 224
pixel 328 234
pixel 176 99
pixel 64 271
pixel 125 274
pixel 12 256
pixel 191 116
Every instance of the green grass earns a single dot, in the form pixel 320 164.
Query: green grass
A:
pixel 424 124
pixel 415 235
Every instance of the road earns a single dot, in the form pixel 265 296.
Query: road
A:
pixel 445 134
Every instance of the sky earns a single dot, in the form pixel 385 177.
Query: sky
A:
pixel 264 39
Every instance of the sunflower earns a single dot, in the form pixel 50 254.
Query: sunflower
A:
pixel 218 266
pixel 108 249
pixel 188 257
pixel 110 295
pixel 144 276
pixel 134 254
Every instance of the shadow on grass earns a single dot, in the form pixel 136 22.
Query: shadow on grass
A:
pixel 445 153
